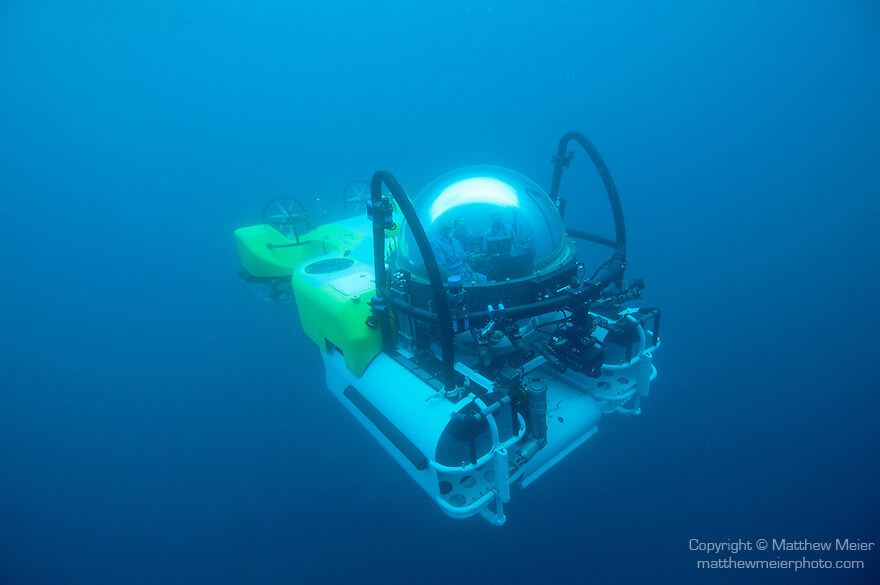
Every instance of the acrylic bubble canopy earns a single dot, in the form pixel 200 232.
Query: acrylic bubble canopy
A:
pixel 485 201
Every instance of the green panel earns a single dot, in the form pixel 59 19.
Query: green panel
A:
pixel 266 253
pixel 336 238
pixel 330 316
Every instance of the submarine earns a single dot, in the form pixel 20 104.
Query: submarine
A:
pixel 462 327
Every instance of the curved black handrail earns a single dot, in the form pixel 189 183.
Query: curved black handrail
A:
pixel 612 269
pixel 441 305
pixel 595 238
pixel 515 312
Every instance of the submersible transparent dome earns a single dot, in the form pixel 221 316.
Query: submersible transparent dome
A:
pixel 482 203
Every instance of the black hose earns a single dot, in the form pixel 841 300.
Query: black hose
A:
pixel 582 235
pixel 613 269
pixel 518 312
pixel 402 306
pixel 529 310
pixel 441 305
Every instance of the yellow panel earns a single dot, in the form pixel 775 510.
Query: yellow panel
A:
pixel 328 315
pixel 266 253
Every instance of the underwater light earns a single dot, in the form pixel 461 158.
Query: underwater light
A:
pixel 474 190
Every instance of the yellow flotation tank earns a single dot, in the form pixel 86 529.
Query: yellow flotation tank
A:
pixel 333 298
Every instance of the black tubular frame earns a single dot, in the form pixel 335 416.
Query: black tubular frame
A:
pixel 587 236
pixel 441 304
pixel 612 270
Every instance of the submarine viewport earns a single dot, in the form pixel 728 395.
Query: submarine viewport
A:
pixel 507 226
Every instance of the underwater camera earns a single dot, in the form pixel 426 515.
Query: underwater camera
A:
pixel 459 327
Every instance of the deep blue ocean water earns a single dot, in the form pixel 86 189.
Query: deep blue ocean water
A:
pixel 161 424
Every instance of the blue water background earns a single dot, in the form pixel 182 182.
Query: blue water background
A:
pixel 161 424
